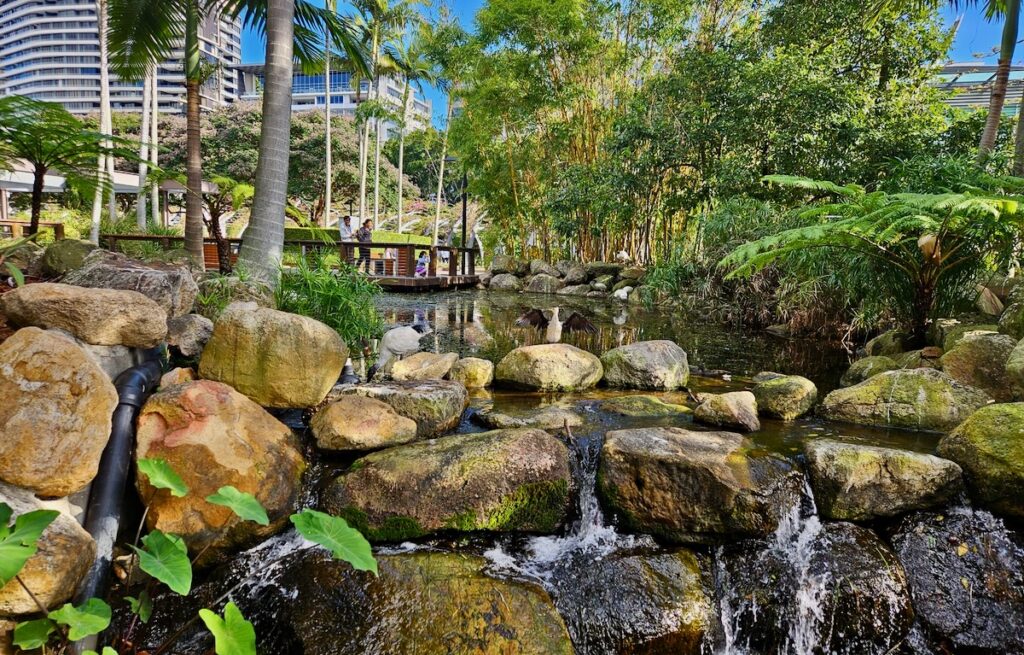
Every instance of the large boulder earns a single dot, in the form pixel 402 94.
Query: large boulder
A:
pixel 867 367
pixel 631 273
pixel 103 317
pixel 735 409
pixel 62 257
pixel 112 359
pixel 694 487
pixel 423 366
pixel 831 588
pixel 603 283
pixel 637 603
pixel 169 285
pixel 538 266
pixel 646 365
pixel 435 405
pixel 787 397
pixel 888 343
pixel 65 553
pixel 1011 321
pixel 473 372
pixel 597 269
pixel 55 408
pixel 575 274
pixel 1015 371
pixel 217 293
pixel 916 399
pixel 188 334
pixel 857 483
pixel 358 423
pixel 505 282
pixel 980 361
pixel 506 264
pixel 574 290
pixel 213 436
pixel 502 481
pixel 425 602
pixel 275 358
pixel 989 446
pixel 643 406
pixel 966 575
pixel 549 367
pixel 957 331
pixel 930 357
pixel 544 283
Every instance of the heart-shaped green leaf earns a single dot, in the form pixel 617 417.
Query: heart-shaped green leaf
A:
pixel 107 650
pixel 143 605
pixel 243 504
pixel 334 534
pixel 232 635
pixel 165 557
pixel 91 618
pixel 162 476
pixel 33 634
pixel 18 542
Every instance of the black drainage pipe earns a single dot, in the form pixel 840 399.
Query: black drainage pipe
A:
pixel 106 499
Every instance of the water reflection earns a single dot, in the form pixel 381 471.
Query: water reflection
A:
pixel 483 324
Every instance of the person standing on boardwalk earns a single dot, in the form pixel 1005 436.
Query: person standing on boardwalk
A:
pixel 364 235
pixel 345 227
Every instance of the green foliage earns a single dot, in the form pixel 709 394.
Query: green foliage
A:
pixel 160 475
pixel 165 557
pixel 334 534
pixel 233 635
pixel 91 618
pixel 18 540
pixel 141 606
pixel 29 635
pixel 342 298
pixel 7 250
pixel 107 650
pixel 244 505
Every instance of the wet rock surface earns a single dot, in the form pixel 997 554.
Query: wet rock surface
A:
pixel 643 406
pixel 435 405
pixel 687 486
pixel 966 576
pixel 736 410
pixel 514 480
pixel 980 361
pixel 548 418
pixel 646 365
pixel 360 423
pixel 787 397
pixel 549 367
pixel 473 372
pixel 423 366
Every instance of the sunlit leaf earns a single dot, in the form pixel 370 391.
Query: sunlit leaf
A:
pixel 18 542
pixel 33 634
pixel 244 505
pixel 232 635
pixel 162 476
pixel 107 650
pixel 165 557
pixel 334 534
pixel 91 618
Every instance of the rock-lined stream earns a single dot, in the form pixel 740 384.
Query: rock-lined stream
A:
pixel 809 586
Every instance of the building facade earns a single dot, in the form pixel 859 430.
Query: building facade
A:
pixel 309 94
pixel 971 86
pixel 49 50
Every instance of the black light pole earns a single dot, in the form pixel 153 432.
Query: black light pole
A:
pixel 465 244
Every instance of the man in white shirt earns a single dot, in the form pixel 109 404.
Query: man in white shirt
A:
pixel 345 227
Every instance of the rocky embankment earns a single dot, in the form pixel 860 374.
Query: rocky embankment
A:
pixel 848 548
pixel 565 278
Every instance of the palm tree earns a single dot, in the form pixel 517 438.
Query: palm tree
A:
pixel 49 138
pixel 416 70
pixel 332 7
pixel 230 196
pixel 104 164
pixel 144 132
pixel 1009 10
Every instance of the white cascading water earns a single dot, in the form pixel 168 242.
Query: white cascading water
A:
pixel 793 543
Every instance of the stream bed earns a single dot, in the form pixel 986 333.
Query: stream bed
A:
pixel 811 587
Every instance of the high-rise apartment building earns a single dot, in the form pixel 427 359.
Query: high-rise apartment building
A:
pixel 49 50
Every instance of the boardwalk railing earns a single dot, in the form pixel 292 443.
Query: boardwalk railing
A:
pixel 15 229
pixel 393 263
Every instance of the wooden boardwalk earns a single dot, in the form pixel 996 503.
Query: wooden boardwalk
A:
pixel 391 265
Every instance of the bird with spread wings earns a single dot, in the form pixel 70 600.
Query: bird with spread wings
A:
pixel 547 321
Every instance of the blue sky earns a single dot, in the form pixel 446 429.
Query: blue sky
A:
pixel 975 41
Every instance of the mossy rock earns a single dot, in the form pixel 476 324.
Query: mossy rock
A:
pixel 435 405
pixel 660 364
pixel 979 360
pixel 989 446
pixel 514 480
pixel 892 342
pixel 643 406
pixel 1015 371
pixel 62 257
pixel 1011 321
pixel 914 399
pixel 920 358
pixel 548 418
pixel 549 367
pixel 958 332
pixel 787 397
pixel 867 367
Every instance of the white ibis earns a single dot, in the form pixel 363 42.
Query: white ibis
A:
pixel 399 342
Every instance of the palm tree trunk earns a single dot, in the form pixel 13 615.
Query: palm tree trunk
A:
pixel 401 149
pixel 364 149
pixel 1018 142
pixel 264 238
pixel 193 138
pixel 376 176
pixel 1002 76
pixel 327 123
pixel 140 198
pixel 440 171
pixel 154 140
pixel 38 178
pixel 101 166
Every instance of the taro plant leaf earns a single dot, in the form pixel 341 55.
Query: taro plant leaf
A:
pixel 232 635
pixel 33 634
pixel 91 618
pixel 165 557
pixel 334 534
pixel 162 476
pixel 18 542
pixel 19 277
pixel 244 505
pixel 107 650
pixel 142 606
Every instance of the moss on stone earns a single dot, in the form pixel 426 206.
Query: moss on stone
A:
pixel 393 528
